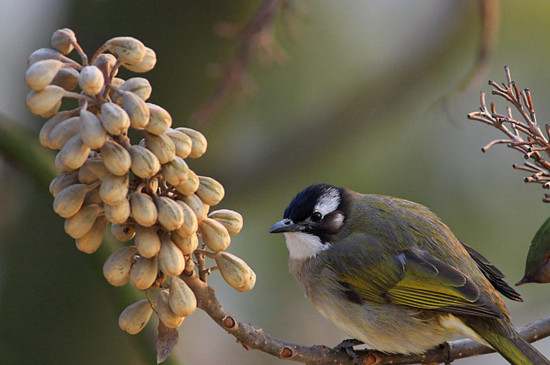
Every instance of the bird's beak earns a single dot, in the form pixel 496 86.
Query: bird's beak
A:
pixel 286 225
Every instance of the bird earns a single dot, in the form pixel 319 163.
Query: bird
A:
pixel 392 275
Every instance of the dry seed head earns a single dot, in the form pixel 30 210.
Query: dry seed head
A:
pixel 69 200
pixel 196 205
pixel 159 121
pixel 41 73
pixel 144 272
pixel 91 80
pixel 235 271
pixel 123 232
pixel 53 111
pixel 63 40
pixel 46 129
pixel 116 158
pixel 189 186
pixel 40 102
pixel 137 110
pixel 142 209
pixel 97 167
pixel 171 260
pixel 117 267
pixel 214 235
pixel 182 142
pixel 79 224
pixel 47 54
pixel 170 214
pixel 67 78
pixel 231 220
pixel 199 143
pixel 166 316
pixel 181 298
pixel 136 316
pixel 190 224
pixel 147 63
pixel 175 171
pixel 147 241
pixel 118 213
pixel 139 86
pixel 62 181
pixel 106 62
pixel 127 49
pixel 114 189
pixel 92 197
pixel 114 119
pixel 90 242
pixel 91 130
pixel 62 132
pixel 186 244
pixel 162 146
pixel 73 155
pixel 85 176
pixel 144 163
pixel 210 191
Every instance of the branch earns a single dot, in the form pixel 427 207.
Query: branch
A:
pixel 251 337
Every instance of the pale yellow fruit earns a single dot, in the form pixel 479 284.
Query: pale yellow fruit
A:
pixel 147 241
pixel 90 242
pixel 91 80
pixel 199 143
pixel 235 271
pixel 231 220
pixel 136 316
pixel 166 316
pixel 190 224
pixel 73 154
pixel 62 181
pixel 116 158
pixel 144 272
pixel 182 142
pixel 62 132
pixel 162 146
pixel 189 186
pixel 85 176
pixel 96 167
pixel 214 235
pixel 170 214
pixel 40 102
pixel 186 244
pixel 171 260
pixel 114 189
pixel 92 197
pixel 47 54
pixel 175 171
pixel 47 128
pixel 123 232
pixel 196 205
pixel 143 209
pixel 69 200
pixel 91 130
pixel 136 85
pixel 63 40
pixel 80 224
pixel 144 162
pixel 181 298
pixel 146 64
pixel 118 213
pixel 210 191
pixel 67 78
pixel 41 73
pixel 117 267
pixel 127 49
pixel 114 119
pixel 159 121
pixel 137 110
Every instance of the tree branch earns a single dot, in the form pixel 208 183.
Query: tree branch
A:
pixel 251 337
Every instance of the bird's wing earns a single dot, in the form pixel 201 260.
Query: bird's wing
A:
pixel 416 280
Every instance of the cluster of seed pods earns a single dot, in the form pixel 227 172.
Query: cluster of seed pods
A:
pixel 145 191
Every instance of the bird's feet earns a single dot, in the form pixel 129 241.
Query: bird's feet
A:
pixel 347 346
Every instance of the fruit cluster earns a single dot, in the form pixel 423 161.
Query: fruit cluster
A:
pixel 145 191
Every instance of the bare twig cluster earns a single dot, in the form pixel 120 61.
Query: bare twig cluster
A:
pixel 524 135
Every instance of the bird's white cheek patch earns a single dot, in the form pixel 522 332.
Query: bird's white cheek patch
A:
pixel 329 202
pixel 302 246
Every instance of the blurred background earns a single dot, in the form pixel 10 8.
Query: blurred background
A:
pixel 352 98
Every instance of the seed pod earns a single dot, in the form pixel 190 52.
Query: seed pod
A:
pixel 62 181
pixel 189 267
pixel 147 241
pixel 171 260
pixel 136 316
pixel 123 232
pixel 69 200
pixel 85 176
pixel 117 267
pixel 117 82
pixel 46 129
pixel 114 119
pixel 144 272
pixel 196 205
pixel 142 209
pixel 62 132
pixel 190 224
pixel 106 62
pixel 186 244
pixel 63 40
pixel 116 158
pixel 92 197
pixel 41 73
pixel 175 171
pixel 67 78
pixel 147 63
pixel 53 111
pixel 47 54
pixel 118 213
pixel 162 146
pixel 182 142
pixel 79 224
pixel 210 191
pixel 231 220
pixel 114 189
pixel 90 242
pixel 91 80
pixel 214 235
pixel 144 163
pixel 96 167
pixel 189 186
pixel 91 130
pixel 127 49
pixel 40 102
pixel 137 110
pixel 181 298
pixel 136 85
pixel 159 121
pixel 198 141
pixel 166 316
pixel 235 271
pixel 170 214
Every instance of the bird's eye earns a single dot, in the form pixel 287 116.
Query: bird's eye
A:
pixel 316 216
